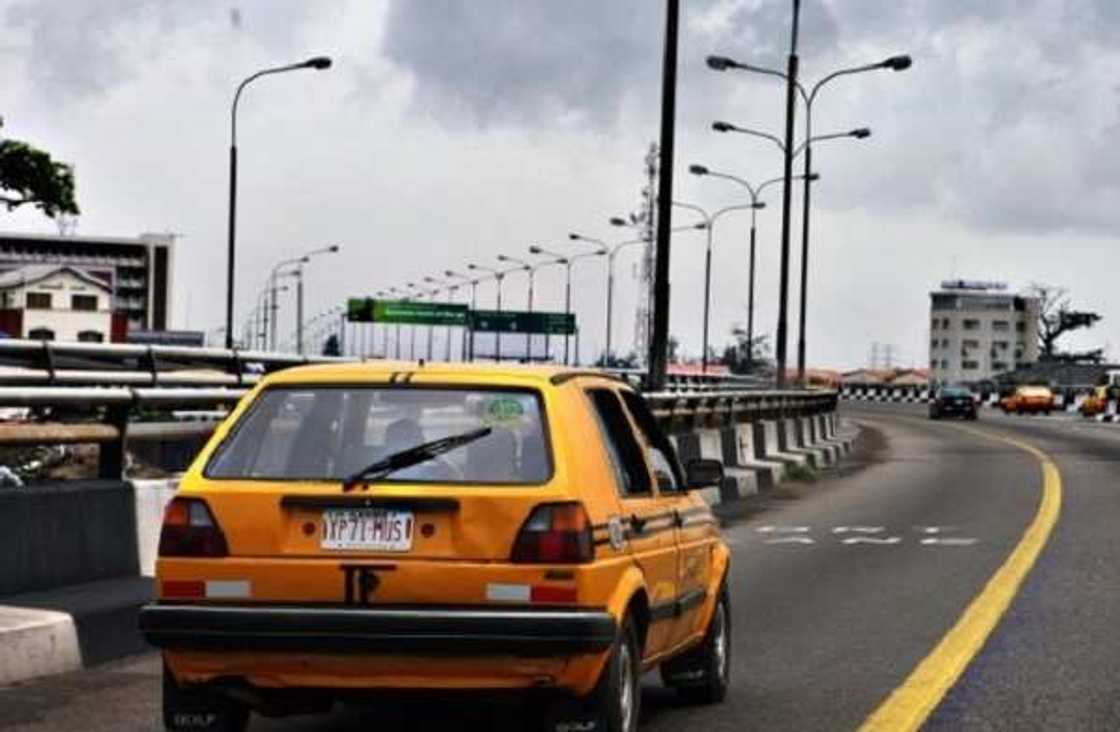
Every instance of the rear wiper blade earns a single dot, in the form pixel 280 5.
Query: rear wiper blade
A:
pixel 412 456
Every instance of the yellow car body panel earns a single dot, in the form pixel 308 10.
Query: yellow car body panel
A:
pixel 458 558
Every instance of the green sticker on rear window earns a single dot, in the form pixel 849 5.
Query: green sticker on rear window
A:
pixel 502 409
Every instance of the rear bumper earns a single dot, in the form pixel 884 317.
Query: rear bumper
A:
pixel 429 631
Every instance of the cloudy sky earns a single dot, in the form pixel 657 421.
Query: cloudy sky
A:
pixel 451 131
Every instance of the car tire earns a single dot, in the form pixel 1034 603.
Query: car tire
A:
pixel 616 702
pixel 198 710
pixel 703 674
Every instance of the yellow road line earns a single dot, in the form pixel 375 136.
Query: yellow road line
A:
pixel 908 706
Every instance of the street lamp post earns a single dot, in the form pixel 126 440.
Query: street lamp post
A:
pixel 319 62
pixel 468 334
pixel 755 205
pixel 622 222
pixel 567 261
pixel 299 292
pixel 530 272
pixel 721 63
pixel 498 276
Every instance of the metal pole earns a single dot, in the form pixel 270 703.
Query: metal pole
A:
pixel 232 230
pixel 529 335
pixel 659 342
pixel 707 296
pixel 750 296
pixel 787 193
pixel 299 310
pixel 567 304
pixel 804 256
pixel 275 305
pixel 498 335
pixel 610 304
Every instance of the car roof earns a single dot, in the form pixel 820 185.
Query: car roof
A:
pixel 384 371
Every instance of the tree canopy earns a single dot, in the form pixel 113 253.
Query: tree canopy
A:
pixel 30 176
pixel 1056 318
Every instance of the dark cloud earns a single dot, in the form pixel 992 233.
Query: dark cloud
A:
pixel 84 49
pixel 1005 122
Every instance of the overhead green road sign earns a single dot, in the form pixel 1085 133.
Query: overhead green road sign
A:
pixel 407 312
pixel 510 321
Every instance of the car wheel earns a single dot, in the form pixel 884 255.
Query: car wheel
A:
pixel 199 710
pixel 616 702
pixel 702 675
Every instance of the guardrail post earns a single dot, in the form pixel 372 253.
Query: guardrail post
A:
pixel 111 455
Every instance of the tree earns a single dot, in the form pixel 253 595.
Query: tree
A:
pixel 1056 318
pixel 332 347
pixel 674 348
pixel 29 175
pixel 744 357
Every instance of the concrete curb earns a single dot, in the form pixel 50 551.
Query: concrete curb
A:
pixel 36 643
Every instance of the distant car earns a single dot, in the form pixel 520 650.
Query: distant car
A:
pixel 1097 402
pixel 1028 400
pixel 952 401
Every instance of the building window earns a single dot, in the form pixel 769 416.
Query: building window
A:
pixel 936 322
pixel 970 343
pixel 945 343
pixel 1020 327
pixel 945 324
pixel 933 344
pixel 1001 326
pixel 41 334
pixel 83 302
pixel 998 366
pixel 90 336
pixel 933 363
pixel 944 363
pixel 38 301
pixel 1000 345
pixel 971 324
pixel 970 365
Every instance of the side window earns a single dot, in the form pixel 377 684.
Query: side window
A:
pixel 624 451
pixel 661 454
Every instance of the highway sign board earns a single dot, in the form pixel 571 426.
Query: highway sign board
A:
pixel 408 312
pixel 513 321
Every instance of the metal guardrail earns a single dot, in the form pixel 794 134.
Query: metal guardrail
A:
pixel 91 393
pixel 52 363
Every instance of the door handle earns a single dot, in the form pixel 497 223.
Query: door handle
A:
pixel 637 523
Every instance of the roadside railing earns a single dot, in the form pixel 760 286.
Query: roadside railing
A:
pixel 111 395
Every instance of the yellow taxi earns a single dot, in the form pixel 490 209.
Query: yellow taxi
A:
pixel 363 528
pixel 1028 400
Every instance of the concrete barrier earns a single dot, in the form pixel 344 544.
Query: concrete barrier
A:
pixel 738 482
pixel 36 643
pixel 151 499
pixel 789 440
pixel 739 452
pixel 66 533
pixel 767 445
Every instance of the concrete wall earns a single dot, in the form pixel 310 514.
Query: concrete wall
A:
pixel 61 534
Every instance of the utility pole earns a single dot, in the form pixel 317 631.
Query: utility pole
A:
pixel 787 193
pixel 659 342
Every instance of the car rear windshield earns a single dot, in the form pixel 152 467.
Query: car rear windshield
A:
pixel 955 391
pixel 329 433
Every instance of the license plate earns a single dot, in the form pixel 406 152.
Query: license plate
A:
pixel 366 529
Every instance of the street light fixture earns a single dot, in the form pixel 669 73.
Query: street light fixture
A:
pixel 318 63
pixel 859 133
pixel 568 260
pixel 756 205
pixel 723 63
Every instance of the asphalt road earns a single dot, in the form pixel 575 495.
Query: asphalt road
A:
pixel 839 588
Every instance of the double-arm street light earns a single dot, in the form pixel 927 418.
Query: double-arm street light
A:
pixel 318 62
pixel 755 205
pixel 297 273
pixel 627 223
pixel 468 333
pixel 530 273
pixel 498 275
pixel 567 260
pixel 722 63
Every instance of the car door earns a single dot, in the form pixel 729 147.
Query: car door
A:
pixel 695 526
pixel 647 516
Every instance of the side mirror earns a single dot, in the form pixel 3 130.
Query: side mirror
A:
pixel 703 474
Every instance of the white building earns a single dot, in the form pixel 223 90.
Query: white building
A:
pixel 59 303
pixel 978 330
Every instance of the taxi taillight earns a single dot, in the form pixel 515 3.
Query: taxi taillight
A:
pixel 555 533
pixel 189 530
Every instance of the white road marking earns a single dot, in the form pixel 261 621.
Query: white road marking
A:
pixel 791 540
pixel 782 529
pixel 858 530
pixel 948 541
pixel 871 540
